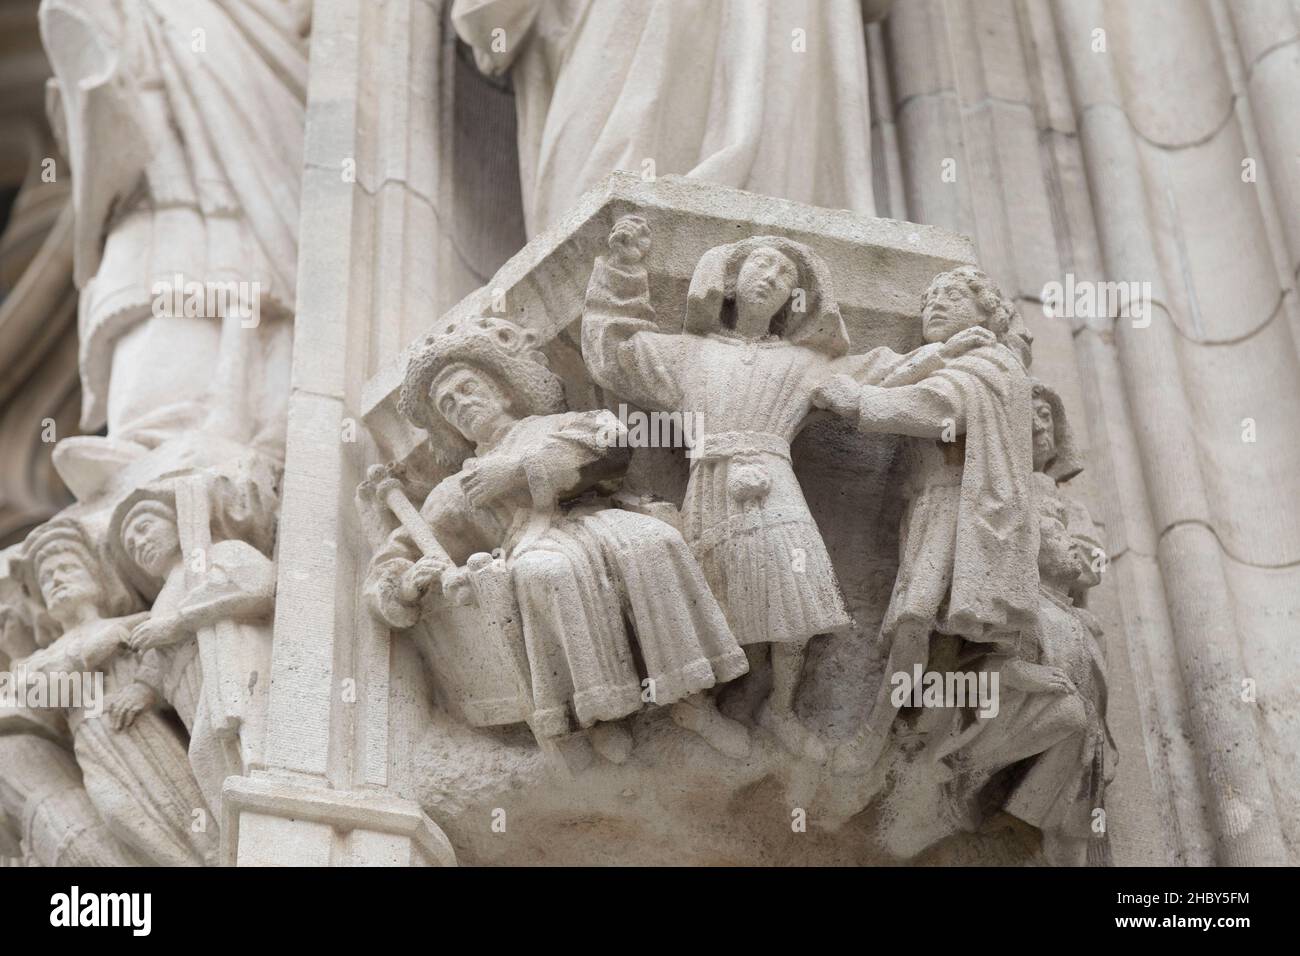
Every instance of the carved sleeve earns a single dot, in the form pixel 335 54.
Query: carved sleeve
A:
pixel 634 360
pixel 585 450
pixel 243 588
pixel 444 511
pixel 924 410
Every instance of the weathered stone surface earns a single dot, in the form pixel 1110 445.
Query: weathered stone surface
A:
pixel 490 621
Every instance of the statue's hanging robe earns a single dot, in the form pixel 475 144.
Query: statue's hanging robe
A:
pixel 764 95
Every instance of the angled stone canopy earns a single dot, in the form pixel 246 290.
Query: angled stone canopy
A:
pixel 879 268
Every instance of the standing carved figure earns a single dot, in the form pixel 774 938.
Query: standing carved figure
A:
pixel 46 816
pixel 232 596
pixel 139 779
pixel 762 332
pixel 527 482
pixel 968 542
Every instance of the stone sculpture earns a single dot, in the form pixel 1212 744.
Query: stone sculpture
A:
pixel 186 183
pixel 527 487
pixel 138 778
pixel 205 648
pixel 592 94
pixel 968 545
pixel 1052 714
pixel 46 816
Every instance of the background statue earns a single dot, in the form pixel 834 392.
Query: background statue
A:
pixel 526 485
pixel 174 175
pixel 764 95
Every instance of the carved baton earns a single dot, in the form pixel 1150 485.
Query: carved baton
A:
pixel 386 480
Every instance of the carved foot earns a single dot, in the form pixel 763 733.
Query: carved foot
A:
pixel 612 741
pixel 700 715
pixel 794 736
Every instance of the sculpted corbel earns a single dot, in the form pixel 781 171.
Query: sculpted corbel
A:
pixel 523 532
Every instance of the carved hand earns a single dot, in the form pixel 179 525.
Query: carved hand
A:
pixel 489 480
pixel 968 340
pixel 458 587
pixel 129 704
pixel 838 394
pixel 1037 678
pixel 155 632
pixel 419 577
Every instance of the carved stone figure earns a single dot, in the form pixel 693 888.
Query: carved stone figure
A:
pixel 528 487
pixel 593 94
pixel 1052 708
pixel 745 366
pixel 138 778
pixel 173 176
pixel 1056 461
pixel 968 542
pixel 209 627
pixel 46 816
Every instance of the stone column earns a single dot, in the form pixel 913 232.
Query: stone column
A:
pixel 324 795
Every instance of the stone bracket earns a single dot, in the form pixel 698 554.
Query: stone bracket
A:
pixel 300 824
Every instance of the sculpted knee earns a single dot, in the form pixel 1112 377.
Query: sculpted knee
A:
pixel 543 571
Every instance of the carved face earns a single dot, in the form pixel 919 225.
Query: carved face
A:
pixel 1044 433
pixel 950 308
pixel 64 580
pixel 1060 562
pixel 766 280
pixel 472 404
pixel 151 542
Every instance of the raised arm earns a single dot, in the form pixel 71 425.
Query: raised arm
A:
pixel 634 360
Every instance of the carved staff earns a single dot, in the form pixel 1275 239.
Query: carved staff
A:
pixel 384 482
pixel 222 682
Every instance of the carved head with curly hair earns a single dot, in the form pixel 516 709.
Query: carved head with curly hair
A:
pixel 472 377
pixel 965 297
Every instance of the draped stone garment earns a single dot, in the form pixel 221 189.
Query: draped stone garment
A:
pixel 968 561
pixel 744 515
pixel 175 671
pixel 173 172
pixel 578 568
pixel 743 104
pixel 138 778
